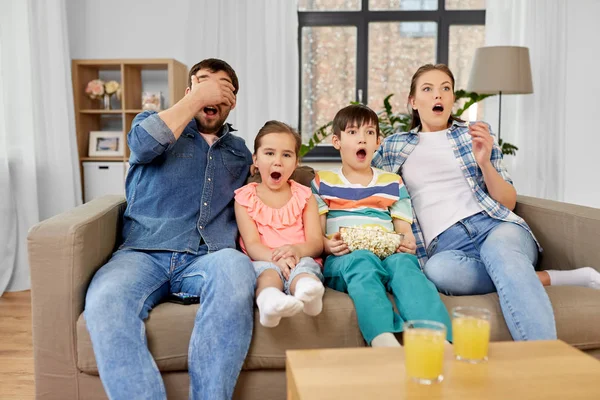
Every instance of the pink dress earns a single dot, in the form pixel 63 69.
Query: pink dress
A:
pixel 276 226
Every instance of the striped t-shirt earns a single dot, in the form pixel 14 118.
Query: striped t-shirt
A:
pixel 351 204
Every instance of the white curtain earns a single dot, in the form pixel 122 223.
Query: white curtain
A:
pixel 39 173
pixel 535 123
pixel 259 39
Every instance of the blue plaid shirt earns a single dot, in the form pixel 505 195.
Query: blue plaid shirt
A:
pixel 396 148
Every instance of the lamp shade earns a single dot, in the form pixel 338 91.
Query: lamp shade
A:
pixel 503 69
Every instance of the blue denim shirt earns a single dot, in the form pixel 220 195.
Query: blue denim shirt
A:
pixel 180 192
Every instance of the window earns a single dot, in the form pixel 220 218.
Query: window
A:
pixel 328 73
pixel 364 50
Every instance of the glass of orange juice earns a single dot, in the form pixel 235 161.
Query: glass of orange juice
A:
pixel 424 350
pixel 471 333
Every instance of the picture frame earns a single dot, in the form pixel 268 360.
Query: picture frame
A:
pixel 106 144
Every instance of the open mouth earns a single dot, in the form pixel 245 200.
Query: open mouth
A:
pixel 438 108
pixel 210 110
pixel 275 176
pixel 361 154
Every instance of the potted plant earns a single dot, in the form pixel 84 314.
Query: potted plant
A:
pixel 391 122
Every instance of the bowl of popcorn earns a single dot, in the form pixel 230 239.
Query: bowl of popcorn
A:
pixel 378 241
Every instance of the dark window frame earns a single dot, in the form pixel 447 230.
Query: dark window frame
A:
pixel 361 19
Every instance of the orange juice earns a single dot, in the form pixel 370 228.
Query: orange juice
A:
pixel 471 338
pixel 424 352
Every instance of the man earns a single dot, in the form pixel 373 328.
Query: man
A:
pixel 179 235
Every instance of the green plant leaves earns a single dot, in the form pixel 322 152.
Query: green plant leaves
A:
pixel 472 99
pixel 391 122
pixel 317 137
pixel 507 148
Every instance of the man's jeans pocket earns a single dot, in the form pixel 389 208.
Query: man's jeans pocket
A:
pixel 432 247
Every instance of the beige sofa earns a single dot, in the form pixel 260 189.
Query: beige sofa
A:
pixel 65 251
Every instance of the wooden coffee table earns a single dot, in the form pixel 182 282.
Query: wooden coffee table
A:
pixel 515 370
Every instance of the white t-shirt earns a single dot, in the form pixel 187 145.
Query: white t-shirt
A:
pixel 440 193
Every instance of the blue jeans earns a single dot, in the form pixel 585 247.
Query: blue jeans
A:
pixel 367 279
pixel 480 255
pixel 123 292
pixel 306 265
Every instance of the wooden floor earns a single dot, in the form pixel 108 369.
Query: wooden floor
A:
pixel 16 349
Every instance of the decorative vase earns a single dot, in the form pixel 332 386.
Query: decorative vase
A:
pixel 106 101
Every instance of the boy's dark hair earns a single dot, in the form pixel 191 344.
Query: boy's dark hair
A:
pixel 277 127
pixel 355 114
pixel 215 65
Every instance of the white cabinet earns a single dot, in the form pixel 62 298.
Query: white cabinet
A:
pixel 102 178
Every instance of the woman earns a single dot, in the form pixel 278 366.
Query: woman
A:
pixel 468 239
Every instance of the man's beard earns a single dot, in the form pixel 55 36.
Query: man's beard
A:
pixel 210 127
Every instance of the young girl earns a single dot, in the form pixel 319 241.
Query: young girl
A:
pixel 280 229
pixel 468 239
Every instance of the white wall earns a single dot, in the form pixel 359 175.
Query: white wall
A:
pixel 258 38
pixel 161 29
pixel 582 157
pixel 558 143
pixel 130 29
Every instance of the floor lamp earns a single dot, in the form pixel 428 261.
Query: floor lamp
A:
pixel 501 70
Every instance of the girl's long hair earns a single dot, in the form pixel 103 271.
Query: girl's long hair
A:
pixel 415 119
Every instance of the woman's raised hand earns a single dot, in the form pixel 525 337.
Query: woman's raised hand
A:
pixel 483 143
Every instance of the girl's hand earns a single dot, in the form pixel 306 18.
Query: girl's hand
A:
pixel 336 245
pixel 288 250
pixel 286 265
pixel 408 244
pixel 483 143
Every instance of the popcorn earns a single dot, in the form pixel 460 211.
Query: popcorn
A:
pixel 382 243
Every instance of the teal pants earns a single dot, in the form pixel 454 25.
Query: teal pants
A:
pixel 366 279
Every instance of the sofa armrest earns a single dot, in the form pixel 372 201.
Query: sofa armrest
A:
pixel 569 234
pixel 64 253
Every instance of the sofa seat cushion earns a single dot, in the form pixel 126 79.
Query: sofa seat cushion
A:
pixel 489 301
pixel 169 328
pixel 577 313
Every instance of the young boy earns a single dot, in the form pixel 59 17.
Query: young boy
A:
pixel 358 195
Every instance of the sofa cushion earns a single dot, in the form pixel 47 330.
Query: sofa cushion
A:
pixel 169 328
pixel 489 301
pixel 577 312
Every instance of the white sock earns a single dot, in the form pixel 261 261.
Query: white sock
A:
pixel 273 304
pixel 385 339
pixel 586 276
pixel 310 292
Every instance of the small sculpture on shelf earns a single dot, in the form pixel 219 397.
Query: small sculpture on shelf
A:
pixel 98 89
pixel 151 101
